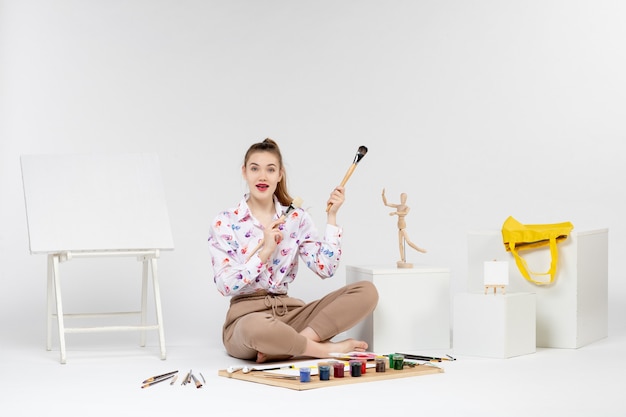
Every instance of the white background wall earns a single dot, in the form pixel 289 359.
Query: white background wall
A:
pixel 476 109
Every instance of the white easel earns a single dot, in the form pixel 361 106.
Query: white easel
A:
pixel 97 206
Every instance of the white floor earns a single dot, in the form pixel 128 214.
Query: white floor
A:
pixel 104 378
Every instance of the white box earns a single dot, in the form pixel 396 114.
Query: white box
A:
pixel 413 310
pixel 573 311
pixel 494 326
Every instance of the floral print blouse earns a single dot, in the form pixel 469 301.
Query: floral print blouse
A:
pixel 235 233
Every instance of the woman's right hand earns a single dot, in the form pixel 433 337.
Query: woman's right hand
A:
pixel 272 236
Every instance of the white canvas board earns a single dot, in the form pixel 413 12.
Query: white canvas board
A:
pixel 496 273
pixel 87 202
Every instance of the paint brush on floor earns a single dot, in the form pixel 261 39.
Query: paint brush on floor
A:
pixel 154 378
pixel 195 380
pixel 156 381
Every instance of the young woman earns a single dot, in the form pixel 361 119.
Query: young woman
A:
pixel 255 252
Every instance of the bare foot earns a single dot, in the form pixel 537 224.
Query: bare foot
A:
pixel 324 349
pixel 350 345
pixel 262 357
pixel 319 350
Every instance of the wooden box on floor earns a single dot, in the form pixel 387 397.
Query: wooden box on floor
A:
pixel 413 310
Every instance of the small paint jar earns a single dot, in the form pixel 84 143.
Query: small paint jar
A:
pixel 390 356
pixel 355 368
pixel 338 369
pixel 363 365
pixel 324 371
pixel 305 374
pixel 380 365
pixel 398 362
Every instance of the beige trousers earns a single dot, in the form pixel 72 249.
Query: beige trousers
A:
pixel 271 324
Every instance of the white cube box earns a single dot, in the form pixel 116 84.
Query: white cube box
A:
pixel 413 310
pixel 494 326
pixel 573 311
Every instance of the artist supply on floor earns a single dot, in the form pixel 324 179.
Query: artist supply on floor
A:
pixel 355 368
pixel 195 380
pixel 427 358
pixel 305 374
pixel 381 366
pixel 398 361
pixel 156 381
pixel 154 378
pixel 354 355
pixel 173 377
pixel 324 372
pixel 289 375
pixel 187 379
pixel 363 366
pixel 338 369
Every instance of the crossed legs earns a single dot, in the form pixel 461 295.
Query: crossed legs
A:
pixel 305 330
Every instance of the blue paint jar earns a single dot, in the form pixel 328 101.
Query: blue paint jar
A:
pixel 305 374
pixel 324 371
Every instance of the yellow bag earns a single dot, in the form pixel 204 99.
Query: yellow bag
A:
pixel 518 237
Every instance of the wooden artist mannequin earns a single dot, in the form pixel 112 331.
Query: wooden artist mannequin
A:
pixel 401 211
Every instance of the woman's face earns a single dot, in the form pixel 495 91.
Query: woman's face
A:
pixel 262 172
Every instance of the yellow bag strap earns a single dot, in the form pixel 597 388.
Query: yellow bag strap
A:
pixel 522 265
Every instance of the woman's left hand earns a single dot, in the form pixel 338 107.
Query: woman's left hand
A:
pixel 336 199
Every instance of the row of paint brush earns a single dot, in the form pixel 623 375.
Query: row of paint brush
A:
pixel 172 377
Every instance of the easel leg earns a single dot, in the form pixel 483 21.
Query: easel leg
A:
pixel 495 289
pixel 49 302
pixel 157 304
pixel 57 292
pixel 144 299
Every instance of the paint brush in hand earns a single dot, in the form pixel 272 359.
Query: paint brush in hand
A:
pixel 357 158
pixel 296 203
